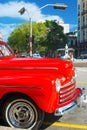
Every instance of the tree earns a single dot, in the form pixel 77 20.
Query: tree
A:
pixel 40 35
pixel 18 39
pixel 55 37
pixel 47 36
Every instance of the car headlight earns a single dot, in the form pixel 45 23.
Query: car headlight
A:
pixel 58 85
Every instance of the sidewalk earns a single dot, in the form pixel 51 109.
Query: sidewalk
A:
pixel 80 63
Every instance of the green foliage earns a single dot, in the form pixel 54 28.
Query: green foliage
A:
pixel 17 39
pixel 47 36
pixel 55 38
pixel 40 35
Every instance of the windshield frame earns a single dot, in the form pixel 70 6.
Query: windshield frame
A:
pixel 10 51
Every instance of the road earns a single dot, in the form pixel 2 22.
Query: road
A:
pixel 74 119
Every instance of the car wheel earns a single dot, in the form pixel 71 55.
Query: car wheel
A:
pixel 22 113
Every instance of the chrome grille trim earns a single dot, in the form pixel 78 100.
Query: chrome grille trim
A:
pixel 66 94
pixel 68 89
pixel 67 98
pixel 68 84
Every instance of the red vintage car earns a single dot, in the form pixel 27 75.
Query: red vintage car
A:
pixel 29 87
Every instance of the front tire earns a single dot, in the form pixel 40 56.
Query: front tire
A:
pixel 22 113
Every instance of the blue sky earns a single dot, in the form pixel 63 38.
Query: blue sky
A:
pixel 10 18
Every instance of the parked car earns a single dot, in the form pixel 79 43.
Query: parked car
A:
pixel 36 55
pixel 29 87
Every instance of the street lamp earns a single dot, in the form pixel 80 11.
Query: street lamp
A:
pixel 22 10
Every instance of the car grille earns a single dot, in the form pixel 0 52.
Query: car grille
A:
pixel 67 92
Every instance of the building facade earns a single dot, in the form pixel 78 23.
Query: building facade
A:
pixel 72 42
pixel 82 26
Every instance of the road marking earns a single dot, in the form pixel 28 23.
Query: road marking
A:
pixel 76 126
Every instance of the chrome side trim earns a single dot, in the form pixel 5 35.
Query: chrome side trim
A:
pixel 28 68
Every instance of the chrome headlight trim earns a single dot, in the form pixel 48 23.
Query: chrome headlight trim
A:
pixel 58 85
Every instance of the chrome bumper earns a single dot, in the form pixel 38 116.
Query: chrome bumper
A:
pixel 81 100
pixel 62 110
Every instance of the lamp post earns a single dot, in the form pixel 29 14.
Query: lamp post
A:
pixel 22 10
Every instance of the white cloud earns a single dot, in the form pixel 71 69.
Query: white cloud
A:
pixel 11 9
pixel 6 29
pixel 49 18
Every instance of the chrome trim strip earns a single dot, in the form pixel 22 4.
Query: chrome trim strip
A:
pixel 68 84
pixel 68 93
pixel 24 87
pixel 67 98
pixel 68 89
pixel 28 68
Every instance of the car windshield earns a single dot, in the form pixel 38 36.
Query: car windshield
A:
pixel 4 50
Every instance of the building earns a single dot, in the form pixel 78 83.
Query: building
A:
pixel 82 25
pixel 72 42
pixel 65 26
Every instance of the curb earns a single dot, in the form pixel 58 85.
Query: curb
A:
pixel 80 64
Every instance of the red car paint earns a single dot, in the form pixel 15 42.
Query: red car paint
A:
pixel 36 78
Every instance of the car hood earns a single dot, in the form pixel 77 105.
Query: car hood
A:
pixel 36 63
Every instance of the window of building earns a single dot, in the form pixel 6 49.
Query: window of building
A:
pixel 83 18
pixel 83 35
pixel 83 5
pixel 86 18
pixel 86 34
pixel 71 42
pixel 76 42
pixel 78 6
pixel 78 20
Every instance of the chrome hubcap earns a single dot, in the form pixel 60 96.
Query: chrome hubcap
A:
pixel 21 114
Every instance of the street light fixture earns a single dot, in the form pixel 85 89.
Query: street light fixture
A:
pixel 60 6
pixel 22 11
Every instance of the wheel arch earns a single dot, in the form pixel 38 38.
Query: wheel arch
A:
pixel 8 97
pixel 14 94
